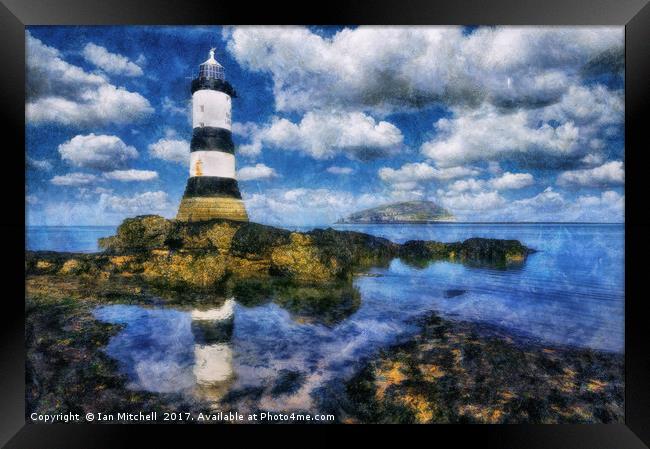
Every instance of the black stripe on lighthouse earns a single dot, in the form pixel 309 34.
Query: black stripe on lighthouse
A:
pixel 202 186
pixel 209 138
pixel 213 84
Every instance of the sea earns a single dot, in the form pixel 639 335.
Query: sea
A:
pixel 570 292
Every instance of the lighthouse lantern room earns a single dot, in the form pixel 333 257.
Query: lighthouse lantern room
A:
pixel 212 190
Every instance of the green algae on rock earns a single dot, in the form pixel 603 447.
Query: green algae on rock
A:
pixel 462 372
pixel 204 255
pixel 473 252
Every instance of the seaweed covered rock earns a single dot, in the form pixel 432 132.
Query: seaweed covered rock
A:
pixel 216 235
pixel 205 255
pixel 139 233
pixel 300 259
pixel 256 241
pixel 183 270
pixel 420 252
pixel 478 252
pixel 356 248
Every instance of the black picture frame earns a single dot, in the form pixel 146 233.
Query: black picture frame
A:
pixel 633 14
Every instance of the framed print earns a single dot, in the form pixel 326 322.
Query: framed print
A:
pixel 407 214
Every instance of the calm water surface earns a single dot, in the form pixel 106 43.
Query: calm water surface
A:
pixel 570 292
pixel 81 239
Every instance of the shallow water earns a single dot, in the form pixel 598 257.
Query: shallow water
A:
pixel 78 239
pixel 570 292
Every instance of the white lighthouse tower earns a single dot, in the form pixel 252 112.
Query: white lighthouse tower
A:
pixel 212 190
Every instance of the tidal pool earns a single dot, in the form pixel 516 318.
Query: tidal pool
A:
pixel 272 355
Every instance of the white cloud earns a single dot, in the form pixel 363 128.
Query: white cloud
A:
pixel 67 213
pixel 423 172
pixel 549 205
pixel 99 190
pixel 73 179
pixel 593 159
pixel 306 206
pixel 257 171
pixel 59 92
pixel 106 104
pixel 102 152
pixel 471 194
pixel 340 170
pixel 609 200
pixel 131 175
pixel 168 105
pixel 546 201
pixel 143 203
pixel 393 68
pixel 39 164
pixel 447 173
pixel 593 106
pixel 467 185
pixel 99 207
pixel 488 134
pixel 322 206
pixel 468 202
pixel 110 62
pixel 323 135
pixel 494 168
pixel 610 173
pixel 560 133
pixel 244 129
pixel 515 92
pixel 511 181
pixel 404 193
pixel 172 150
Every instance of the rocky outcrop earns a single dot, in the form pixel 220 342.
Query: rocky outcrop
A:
pixel 176 254
pixel 139 233
pixel 464 372
pixel 474 252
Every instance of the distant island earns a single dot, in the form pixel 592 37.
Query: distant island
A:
pixel 403 212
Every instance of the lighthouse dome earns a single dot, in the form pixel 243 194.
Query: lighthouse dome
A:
pixel 211 69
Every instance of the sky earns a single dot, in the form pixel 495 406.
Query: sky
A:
pixel 492 123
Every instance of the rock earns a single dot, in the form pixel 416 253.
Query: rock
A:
pixel 205 255
pixel 301 260
pixel 72 266
pixel 139 233
pixel 183 270
pixel 477 252
pixel 44 265
pixel 453 292
pixel 420 253
pixel 456 371
pixel 500 253
pixel 356 248
pixel 211 235
pixel 257 241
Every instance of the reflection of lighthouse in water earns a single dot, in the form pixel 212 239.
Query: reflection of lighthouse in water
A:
pixel 212 330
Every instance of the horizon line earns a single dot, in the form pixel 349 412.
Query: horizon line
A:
pixel 494 222
pixel 371 224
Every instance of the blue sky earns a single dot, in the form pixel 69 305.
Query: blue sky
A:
pixel 493 123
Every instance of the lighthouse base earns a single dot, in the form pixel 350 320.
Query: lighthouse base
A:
pixel 208 208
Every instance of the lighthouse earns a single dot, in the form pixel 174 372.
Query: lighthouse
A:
pixel 212 190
